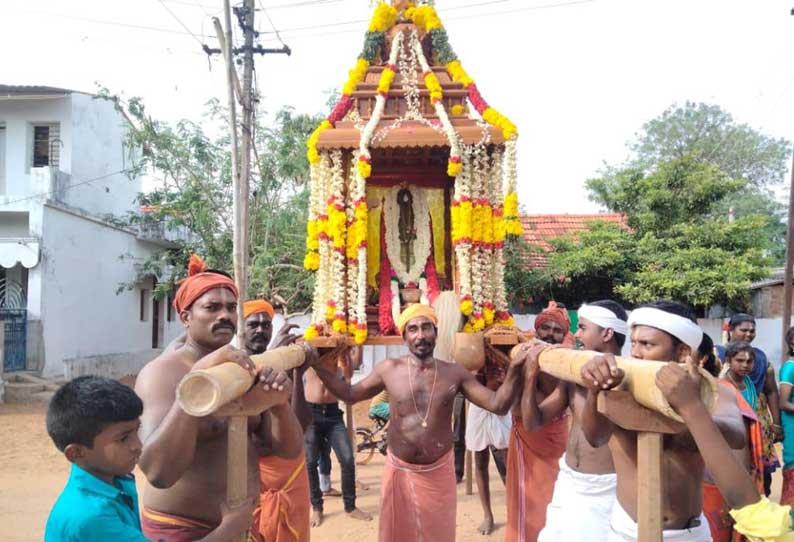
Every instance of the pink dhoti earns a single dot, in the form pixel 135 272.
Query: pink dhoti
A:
pixel 418 502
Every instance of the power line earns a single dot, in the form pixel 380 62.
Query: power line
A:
pixel 450 18
pixel 195 3
pixel 267 15
pixel 73 185
pixel 110 23
pixel 183 25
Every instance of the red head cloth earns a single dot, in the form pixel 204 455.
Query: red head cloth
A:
pixel 199 282
pixel 256 306
pixel 555 314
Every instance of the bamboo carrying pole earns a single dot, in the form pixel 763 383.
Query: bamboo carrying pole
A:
pixel 200 393
pixel 640 379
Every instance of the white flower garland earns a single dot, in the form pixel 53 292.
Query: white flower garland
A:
pixel 511 166
pixel 380 104
pixel 463 249
pixel 499 292
pixel 441 112
pixel 338 275
pixel 323 289
pixel 422 244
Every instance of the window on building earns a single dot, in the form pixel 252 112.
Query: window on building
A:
pixel 169 309
pixel 46 145
pixel 145 296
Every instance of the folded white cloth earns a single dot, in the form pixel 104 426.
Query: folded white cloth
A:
pixel 603 317
pixel 581 506
pixel 485 429
pixel 683 329
pixel 623 529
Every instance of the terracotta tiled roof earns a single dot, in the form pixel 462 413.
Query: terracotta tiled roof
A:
pixel 540 229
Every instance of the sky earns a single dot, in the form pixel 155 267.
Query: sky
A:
pixel 578 77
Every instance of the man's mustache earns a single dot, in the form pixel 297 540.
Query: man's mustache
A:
pixel 225 324
pixel 258 337
pixel 423 343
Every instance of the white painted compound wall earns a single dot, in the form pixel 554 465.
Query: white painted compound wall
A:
pixel 81 313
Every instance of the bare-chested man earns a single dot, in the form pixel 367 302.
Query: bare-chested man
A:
pixel 533 456
pixel 283 511
pixel 661 331
pixel 328 423
pixel 585 488
pixel 418 499
pixel 184 457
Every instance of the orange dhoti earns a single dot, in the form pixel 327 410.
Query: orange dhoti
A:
pixel 532 468
pixel 283 511
pixel 418 502
pixel 162 526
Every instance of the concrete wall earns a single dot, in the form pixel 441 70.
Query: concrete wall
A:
pixel 109 365
pixel 18 117
pixel 81 314
pixel 98 149
pixel 92 133
pixel 768 301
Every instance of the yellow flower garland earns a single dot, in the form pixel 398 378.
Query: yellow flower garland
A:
pixel 312 154
pixel 495 118
pixel 386 79
pixel 425 17
pixel 512 223
pixel 458 74
pixel 355 76
pixel 384 17
pixel 434 86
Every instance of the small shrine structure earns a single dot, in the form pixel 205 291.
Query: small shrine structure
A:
pixel 413 186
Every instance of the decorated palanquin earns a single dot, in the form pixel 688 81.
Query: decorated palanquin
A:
pixel 413 186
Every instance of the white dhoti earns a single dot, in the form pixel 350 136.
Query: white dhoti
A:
pixel 623 529
pixel 485 429
pixel 581 507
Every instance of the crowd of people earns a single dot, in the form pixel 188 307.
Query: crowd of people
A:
pixel 569 471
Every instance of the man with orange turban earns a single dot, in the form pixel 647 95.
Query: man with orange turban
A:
pixel 418 497
pixel 184 457
pixel 283 511
pixel 533 457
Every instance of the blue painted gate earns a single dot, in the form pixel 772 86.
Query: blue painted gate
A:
pixel 15 352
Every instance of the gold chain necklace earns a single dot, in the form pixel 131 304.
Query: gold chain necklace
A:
pixel 432 391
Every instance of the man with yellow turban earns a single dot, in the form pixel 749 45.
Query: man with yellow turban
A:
pixel 418 499
pixel 184 457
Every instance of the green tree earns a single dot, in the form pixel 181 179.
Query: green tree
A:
pixel 711 135
pixel 676 246
pixel 194 193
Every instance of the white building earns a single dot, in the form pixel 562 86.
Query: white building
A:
pixel 63 171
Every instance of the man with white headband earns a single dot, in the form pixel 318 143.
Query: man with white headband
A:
pixel 584 492
pixel 661 331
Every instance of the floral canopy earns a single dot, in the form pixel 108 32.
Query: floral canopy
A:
pixel 402 161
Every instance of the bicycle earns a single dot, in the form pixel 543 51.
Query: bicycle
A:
pixel 370 439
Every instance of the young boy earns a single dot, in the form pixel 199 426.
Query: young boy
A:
pixel 94 422
pixel 756 518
